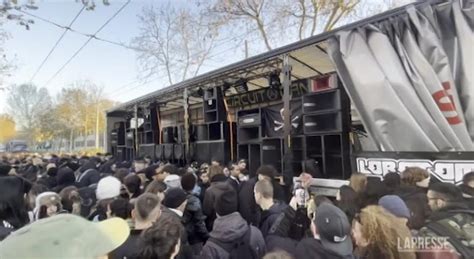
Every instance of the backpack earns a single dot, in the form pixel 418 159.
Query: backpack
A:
pixel 239 248
pixel 459 228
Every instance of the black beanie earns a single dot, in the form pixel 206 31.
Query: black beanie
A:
pixel 4 169
pixel 226 202
pixel 174 197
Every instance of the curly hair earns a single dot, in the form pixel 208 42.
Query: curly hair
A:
pixel 159 241
pixel 358 182
pixel 412 175
pixel 383 231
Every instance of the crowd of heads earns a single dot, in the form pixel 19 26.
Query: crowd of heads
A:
pixel 97 207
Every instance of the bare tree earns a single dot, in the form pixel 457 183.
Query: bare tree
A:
pixel 282 21
pixel 174 42
pixel 25 103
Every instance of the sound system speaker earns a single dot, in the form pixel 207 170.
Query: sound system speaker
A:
pixel 202 132
pixel 147 150
pixel 169 134
pixel 191 152
pixel 159 152
pixel 168 153
pixel 179 151
pixel 250 120
pixel 201 154
pixel 217 151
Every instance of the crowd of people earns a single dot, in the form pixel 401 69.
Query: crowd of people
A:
pixel 97 207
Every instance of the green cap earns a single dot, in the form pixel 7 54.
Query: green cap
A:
pixel 65 236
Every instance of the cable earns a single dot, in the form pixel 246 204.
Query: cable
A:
pixel 87 42
pixel 57 43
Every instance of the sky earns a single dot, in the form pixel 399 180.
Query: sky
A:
pixel 109 65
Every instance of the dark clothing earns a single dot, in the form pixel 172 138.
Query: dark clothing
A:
pixel 185 251
pixel 275 242
pixel 87 178
pixel 311 248
pixel 65 178
pixel 209 198
pixel 269 216
pixel 278 192
pixel 130 248
pixel 194 220
pixel 468 194
pixel 230 228
pixel 416 200
pixel 204 187
pixel 247 206
pixel 234 183
pixel 5 229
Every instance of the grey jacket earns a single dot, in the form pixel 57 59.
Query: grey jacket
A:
pixel 232 227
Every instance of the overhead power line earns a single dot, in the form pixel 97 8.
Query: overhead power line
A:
pixel 85 43
pixel 57 43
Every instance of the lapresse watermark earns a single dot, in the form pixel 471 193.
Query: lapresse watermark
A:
pixel 423 244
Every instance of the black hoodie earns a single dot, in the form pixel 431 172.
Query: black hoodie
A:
pixel 269 216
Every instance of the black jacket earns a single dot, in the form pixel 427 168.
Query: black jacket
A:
pixel 194 220
pixel 269 216
pixel 311 248
pixel 247 206
pixel 234 183
pixel 87 178
pixel 209 198
pixel 185 251
pixel 130 248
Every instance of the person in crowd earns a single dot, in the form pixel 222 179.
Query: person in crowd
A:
pixel 65 236
pixel 193 217
pixel 234 175
pixel 217 178
pixel 244 173
pixel 232 236
pixel 331 235
pixel 121 208
pixel 397 207
pixel 71 200
pixel 248 208
pixel 269 173
pixel 271 208
pixel 147 211
pixel 416 177
pixel 121 173
pixel 36 189
pixel 139 164
pixel 88 174
pixel 157 187
pixel 175 203
pixel 392 182
pixel 4 169
pixel 49 180
pixel 451 218
pixel 203 181
pixel 374 190
pixel 13 206
pixel 347 200
pixel 161 241
pixel 47 205
pixel 133 183
pixel 358 182
pixel 175 200
pixel 65 178
pixel 377 234
pixel 173 181
pixel 107 190
pixel 467 189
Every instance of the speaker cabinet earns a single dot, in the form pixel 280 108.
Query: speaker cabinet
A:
pixel 169 134
pixel 202 152
pixel 202 134
pixel 322 123
pixel 253 119
pixel 147 150
pixel 159 152
pixel 168 151
pixel 179 151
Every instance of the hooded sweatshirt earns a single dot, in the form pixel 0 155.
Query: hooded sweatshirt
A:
pixel 230 228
